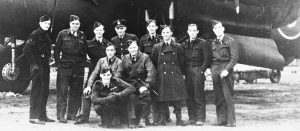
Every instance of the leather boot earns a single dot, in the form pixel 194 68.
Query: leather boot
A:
pixel 142 123
pixel 179 121
pixel 37 121
pixel 82 119
pixel 131 123
pixel 162 121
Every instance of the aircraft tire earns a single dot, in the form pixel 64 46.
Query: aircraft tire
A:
pixel 275 76
pixel 20 84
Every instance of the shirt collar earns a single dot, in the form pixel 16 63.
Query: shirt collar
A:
pixel 112 59
pixel 106 84
pixel 190 40
pixel 168 42
pixel 136 56
pixel 121 37
pixel 74 33
pixel 152 35
pixel 220 38
pixel 99 39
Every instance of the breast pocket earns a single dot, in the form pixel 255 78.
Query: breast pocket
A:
pixel 224 51
pixel 67 43
pixel 186 51
pixel 196 51
pixel 147 47
pixel 80 44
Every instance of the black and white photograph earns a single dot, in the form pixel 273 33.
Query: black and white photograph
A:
pixel 217 65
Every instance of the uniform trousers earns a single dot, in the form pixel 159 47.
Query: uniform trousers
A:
pixel 39 92
pixel 196 96
pixel 69 91
pixel 223 91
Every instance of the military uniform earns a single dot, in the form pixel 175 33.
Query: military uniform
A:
pixel 147 42
pixel 225 56
pixel 109 106
pixel 122 44
pixel 169 62
pixel 146 45
pixel 139 72
pixel 95 51
pixel 197 60
pixel 38 51
pixel 113 63
pixel 70 65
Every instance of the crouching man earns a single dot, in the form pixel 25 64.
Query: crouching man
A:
pixel 110 97
pixel 138 70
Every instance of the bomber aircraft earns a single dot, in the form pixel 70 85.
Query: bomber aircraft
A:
pixel 267 31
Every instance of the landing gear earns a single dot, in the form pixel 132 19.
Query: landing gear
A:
pixel 275 76
pixel 13 78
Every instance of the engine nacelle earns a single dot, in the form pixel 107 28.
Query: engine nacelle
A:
pixel 261 52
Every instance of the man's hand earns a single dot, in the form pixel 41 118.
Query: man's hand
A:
pixel 87 91
pixel 224 73
pixel 34 69
pixel 183 76
pixel 142 89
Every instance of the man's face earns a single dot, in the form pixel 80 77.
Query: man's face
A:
pixel 152 27
pixel 74 25
pixel 45 25
pixel 99 31
pixel 219 29
pixel 106 77
pixel 110 51
pixel 133 49
pixel 193 32
pixel 120 30
pixel 166 33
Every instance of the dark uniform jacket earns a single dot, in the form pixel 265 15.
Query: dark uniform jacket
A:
pixel 38 47
pixel 100 93
pixel 122 44
pixel 169 62
pixel 73 49
pixel 197 53
pixel 96 50
pixel 225 51
pixel 114 63
pixel 147 43
pixel 138 72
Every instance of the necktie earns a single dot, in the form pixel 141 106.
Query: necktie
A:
pixel 106 86
pixel 99 40
pixel 133 59
pixel 74 33
pixel 109 61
